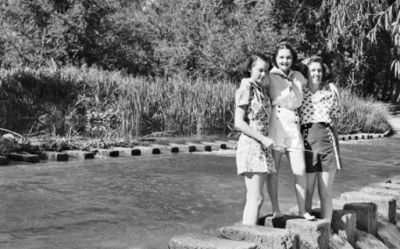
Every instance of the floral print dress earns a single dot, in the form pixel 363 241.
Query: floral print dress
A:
pixel 251 156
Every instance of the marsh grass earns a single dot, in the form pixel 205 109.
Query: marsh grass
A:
pixel 90 102
pixel 362 115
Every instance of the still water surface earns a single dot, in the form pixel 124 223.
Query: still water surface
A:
pixel 141 202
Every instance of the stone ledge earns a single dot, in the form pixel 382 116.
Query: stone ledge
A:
pixel 200 241
pixel 24 157
pixel 366 215
pixel 264 237
pixel 312 234
pixel 386 204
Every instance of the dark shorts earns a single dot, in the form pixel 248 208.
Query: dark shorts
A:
pixel 319 151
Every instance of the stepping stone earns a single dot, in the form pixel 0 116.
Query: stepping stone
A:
pixel 144 150
pixel 343 223
pixel 200 241
pixel 24 157
pixel 312 234
pixel 123 151
pixel 56 156
pixel 215 145
pixel 184 147
pixel 3 161
pixel 107 152
pixel 338 242
pixel 264 237
pixel 229 144
pixel 368 241
pixel 389 234
pixel 386 204
pixel 366 215
pixel 200 147
pixel 164 149
pixel 80 154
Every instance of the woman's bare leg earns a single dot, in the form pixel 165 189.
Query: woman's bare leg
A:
pixel 254 197
pixel 325 183
pixel 272 183
pixel 297 163
pixel 311 179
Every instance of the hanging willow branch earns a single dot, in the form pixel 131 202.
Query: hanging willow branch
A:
pixel 389 20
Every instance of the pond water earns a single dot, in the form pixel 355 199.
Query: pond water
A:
pixel 141 202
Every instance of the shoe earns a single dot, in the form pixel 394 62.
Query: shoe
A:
pixel 277 215
pixel 309 217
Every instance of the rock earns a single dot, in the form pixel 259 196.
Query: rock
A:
pixel 343 223
pixel 389 234
pixel 338 242
pixel 386 205
pixel 366 216
pixel 200 241
pixel 368 241
pixel 264 237
pixel 312 234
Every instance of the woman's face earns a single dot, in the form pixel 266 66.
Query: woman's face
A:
pixel 284 60
pixel 259 70
pixel 315 74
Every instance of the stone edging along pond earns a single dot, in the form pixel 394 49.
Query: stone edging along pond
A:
pixel 149 150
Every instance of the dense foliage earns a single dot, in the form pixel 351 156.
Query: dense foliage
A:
pixel 180 43
pixel 104 104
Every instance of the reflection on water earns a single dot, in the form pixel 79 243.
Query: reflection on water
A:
pixel 138 202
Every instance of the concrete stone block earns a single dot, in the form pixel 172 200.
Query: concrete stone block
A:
pixel 228 144
pixel 184 147
pixel 276 222
pixel 366 215
pixel 264 237
pixel 200 147
pixel 3 161
pixel 386 204
pixel 166 149
pixel 312 234
pixel 79 154
pixel 338 242
pixel 368 241
pixel 24 157
pixel 216 145
pixel 56 156
pixel 343 223
pixel 123 151
pixel 201 241
pixel 389 234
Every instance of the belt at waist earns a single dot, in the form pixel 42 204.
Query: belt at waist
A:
pixel 309 125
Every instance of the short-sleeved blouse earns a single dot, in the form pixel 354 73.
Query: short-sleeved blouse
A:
pixel 321 106
pixel 251 156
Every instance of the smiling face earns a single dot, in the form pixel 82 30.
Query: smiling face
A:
pixel 284 60
pixel 315 74
pixel 259 70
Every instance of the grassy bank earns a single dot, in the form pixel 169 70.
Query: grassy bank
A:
pixel 91 102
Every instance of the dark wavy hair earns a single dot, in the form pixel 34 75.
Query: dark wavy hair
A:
pixel 326 73
pixel 249 62
pixel 285 45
